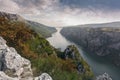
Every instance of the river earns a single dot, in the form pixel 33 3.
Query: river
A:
pixel 98 66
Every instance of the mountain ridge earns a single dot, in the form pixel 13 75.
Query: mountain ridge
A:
pixel 93 25
pixel 42 29
pixel 10 16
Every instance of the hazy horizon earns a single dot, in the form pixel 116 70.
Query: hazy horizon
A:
pixel 64 12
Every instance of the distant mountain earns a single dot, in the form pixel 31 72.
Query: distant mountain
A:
pixel 99 39
pixel 41 29
pixel 110 24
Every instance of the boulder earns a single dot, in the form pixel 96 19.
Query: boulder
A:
pixel 43 76
pixel 3 76
pixel 12 63
pixel 15 67
pixel 104 76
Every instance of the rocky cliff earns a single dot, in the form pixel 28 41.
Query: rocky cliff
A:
pixel 103 41
pixel 104 76
pixel 15 67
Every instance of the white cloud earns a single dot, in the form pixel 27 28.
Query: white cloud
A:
pixel 9 6
pixel 50 12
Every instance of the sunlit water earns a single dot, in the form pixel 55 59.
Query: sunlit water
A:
pixel 98 66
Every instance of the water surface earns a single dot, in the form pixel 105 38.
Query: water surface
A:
pixel 98 66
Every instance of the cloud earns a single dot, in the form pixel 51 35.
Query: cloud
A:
pixel 64 12
pixel 8 5
pixel 99 4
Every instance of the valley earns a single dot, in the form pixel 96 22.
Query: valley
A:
pixel 44 59
pixel 98 65
pixel 59 39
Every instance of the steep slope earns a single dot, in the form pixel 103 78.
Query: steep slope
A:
pixel 43 57
pixel 41 29
pixel 13 66
pixel 102 41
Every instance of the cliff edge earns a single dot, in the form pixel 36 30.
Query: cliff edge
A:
pixel 15 67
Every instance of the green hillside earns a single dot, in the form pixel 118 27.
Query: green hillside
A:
pixel 43 57
pixel 41 29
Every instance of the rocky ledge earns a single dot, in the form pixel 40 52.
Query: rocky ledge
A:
pixel 104 76
pixel 15 67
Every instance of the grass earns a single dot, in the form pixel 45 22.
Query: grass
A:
pixel 43 57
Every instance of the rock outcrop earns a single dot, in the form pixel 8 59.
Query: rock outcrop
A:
pixel 71 52
pixel 104 76
pixel 43 76
pixel 12 17
pixel 4 76
pixel 12 63
pixel 15 67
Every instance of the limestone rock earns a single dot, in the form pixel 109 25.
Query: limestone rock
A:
pixel 43 76
pixel 12 63
pixel 104 76
pixel 15 67
pixel 3 76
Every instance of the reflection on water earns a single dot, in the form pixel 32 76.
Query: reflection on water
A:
pixel 58 41
pixel 98 66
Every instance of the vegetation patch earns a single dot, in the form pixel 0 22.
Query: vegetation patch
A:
pixel 43 57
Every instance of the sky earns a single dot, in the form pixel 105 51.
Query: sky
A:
pixel 60 13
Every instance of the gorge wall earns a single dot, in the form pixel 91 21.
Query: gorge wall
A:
pixel 103 42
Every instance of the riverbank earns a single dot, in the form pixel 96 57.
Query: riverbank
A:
pixel 98 67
